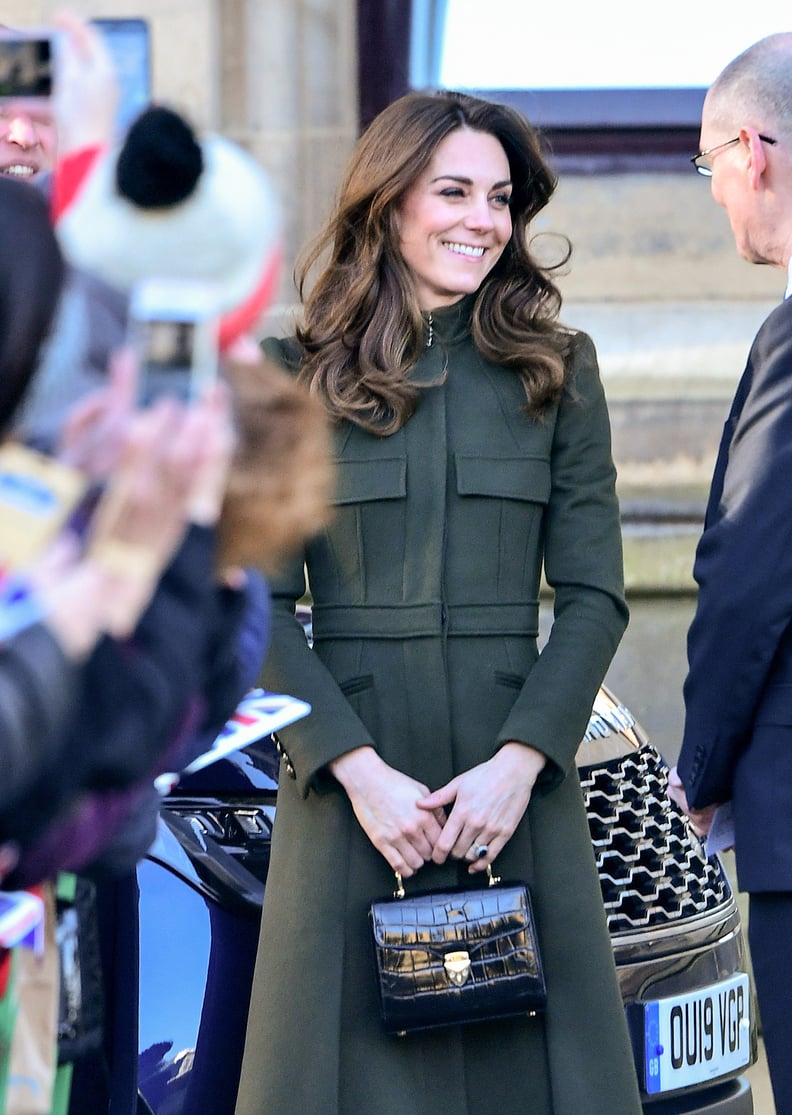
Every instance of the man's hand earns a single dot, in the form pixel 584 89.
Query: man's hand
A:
pixel 86 89
pixel 95 427
pixel 700 819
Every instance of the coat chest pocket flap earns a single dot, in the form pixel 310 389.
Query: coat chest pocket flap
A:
pixel 362 481
pixel 526 478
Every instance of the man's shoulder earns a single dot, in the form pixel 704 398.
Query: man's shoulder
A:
pixel 771 351
pixel 779 317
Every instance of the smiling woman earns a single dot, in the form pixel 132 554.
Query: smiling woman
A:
pixel 472 451
pixel 362 327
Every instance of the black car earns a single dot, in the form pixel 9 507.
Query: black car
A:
pixel 673 919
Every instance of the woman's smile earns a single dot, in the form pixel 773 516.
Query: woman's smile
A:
pixel 465 250
pixel 455 221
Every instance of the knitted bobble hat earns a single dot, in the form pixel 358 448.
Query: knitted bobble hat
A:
pixel 168 205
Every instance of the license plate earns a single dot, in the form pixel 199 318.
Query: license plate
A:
pixel 697 1037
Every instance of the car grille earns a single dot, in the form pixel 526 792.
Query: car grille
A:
pixel 652 868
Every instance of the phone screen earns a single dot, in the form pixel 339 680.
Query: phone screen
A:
pixel 173 329
pixel 25 66
pixel 128 41
pixel 169 354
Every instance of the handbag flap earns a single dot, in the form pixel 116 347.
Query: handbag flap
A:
pixel 434 922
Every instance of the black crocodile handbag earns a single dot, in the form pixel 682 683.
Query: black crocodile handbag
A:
pixel 454 956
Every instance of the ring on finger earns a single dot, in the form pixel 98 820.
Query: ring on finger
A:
pixel 481 851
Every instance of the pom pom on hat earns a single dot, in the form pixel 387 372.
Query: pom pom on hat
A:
pixel 127 222
pixel 161 160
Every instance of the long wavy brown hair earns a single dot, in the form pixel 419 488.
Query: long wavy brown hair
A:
pixel 362 329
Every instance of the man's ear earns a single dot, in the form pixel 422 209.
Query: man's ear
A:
pixel 757 155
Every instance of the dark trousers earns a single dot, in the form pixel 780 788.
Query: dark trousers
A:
pixel 770 937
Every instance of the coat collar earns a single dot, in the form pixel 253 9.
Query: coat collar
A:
pixel 450 324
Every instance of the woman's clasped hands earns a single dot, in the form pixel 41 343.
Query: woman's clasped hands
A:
pixel 472 817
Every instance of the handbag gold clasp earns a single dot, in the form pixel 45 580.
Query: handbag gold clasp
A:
pixel 457 966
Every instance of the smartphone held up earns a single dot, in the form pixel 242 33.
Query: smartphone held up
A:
pixel 173 329
pixel 27 64
pixel 29 61
pixel 129 44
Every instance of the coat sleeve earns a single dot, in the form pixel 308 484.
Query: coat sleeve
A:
pixel 138 694
pixel 128 699
pixel 134 698
pixel 744 572
pixel 37 687
pixel 292 667
pixel 583 565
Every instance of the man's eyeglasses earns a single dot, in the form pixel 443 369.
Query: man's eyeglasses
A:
pixel 703 161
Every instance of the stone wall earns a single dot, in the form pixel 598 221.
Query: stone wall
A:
pixel 656 280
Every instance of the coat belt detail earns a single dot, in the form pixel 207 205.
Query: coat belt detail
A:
pixel 404 621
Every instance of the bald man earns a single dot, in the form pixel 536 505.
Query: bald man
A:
pixel 737 743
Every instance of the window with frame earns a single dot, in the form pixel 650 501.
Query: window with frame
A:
pixel 613 86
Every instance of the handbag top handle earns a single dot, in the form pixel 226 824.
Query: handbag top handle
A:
pixel 492 880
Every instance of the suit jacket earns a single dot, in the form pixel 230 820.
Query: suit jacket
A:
pixel 737 741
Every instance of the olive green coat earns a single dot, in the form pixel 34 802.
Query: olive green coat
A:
pixel 425 591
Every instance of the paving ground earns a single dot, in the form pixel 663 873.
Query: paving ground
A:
pixel 760 1086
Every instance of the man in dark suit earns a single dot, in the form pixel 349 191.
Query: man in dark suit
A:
pixel 737 745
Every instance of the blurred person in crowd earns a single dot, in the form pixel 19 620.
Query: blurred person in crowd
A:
pixel 175 192
pixel 166 202
pixel 30 135
pixel 473 451
pixel 27 136
pixel 127 544
pixel 27 139
pixel 736 751
pixel 160 201
pixel 130 647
